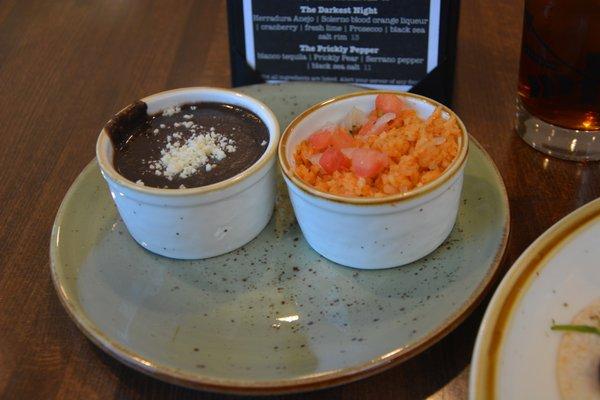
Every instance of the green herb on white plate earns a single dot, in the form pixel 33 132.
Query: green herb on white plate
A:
pixel 576 328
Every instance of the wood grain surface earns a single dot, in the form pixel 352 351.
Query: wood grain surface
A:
pixel 67 66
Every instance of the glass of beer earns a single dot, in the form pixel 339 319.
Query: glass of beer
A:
pixel 558 106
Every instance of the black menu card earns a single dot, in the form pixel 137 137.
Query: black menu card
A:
pixel 406 45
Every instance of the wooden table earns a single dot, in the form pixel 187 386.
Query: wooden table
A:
pixel 66 66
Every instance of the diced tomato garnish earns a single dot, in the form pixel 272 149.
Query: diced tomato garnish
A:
pixel 334 160
pixel 320 140
pixel 337 137
pixel 381 124
pixel 368 163
pixel 389 103
pixel 341 139
pixel 366 128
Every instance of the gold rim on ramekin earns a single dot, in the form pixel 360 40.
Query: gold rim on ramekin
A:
pixel 452 169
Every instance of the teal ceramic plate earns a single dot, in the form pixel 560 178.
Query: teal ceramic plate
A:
pixel 272 316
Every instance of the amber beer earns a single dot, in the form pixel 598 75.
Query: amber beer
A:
pixel 559 75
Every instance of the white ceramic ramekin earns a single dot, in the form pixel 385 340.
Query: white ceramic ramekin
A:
pixel 372 233
pixel 197 222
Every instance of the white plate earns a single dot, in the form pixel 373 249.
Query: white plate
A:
pixel 555 278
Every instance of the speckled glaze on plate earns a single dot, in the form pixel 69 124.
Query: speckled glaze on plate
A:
pixel 273 316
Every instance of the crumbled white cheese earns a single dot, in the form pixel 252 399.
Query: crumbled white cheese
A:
pixel 167 112
pixel 139 182
pixel 219 154
pixel 182 186
pixel 263 143
pixel 187 124
pixel 163 126
pixel 193 108
pixel 188 116
pixel 155 131
pixel 176 124
pixel 183 158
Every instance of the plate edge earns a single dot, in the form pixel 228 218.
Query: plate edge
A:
pixel 320 381
pixel 483 376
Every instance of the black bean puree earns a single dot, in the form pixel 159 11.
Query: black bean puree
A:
pixel 137 144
